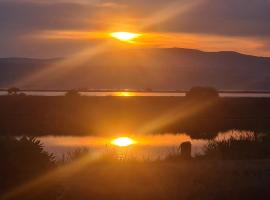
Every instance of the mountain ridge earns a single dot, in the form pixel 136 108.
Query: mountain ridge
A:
pixel 169 48
pixel 137 68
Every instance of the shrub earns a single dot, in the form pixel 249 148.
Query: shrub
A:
pixel 73 93
pixel 22 159
pixel 242 147
pixel 13 91
pixel 199 93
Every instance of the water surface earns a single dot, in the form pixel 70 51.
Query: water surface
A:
pixel 147 147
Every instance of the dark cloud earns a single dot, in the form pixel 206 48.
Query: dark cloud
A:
pixel 30 16
pixel 224 17
pixel 19 19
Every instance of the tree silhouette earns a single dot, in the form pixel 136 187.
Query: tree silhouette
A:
pixel 199 93
pixel 73 93
pixel 13 91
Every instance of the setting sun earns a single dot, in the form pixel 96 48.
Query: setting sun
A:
pixel 125 36
pixel 123 141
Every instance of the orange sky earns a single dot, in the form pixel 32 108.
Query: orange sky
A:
pixel 247 45
pixel 46 28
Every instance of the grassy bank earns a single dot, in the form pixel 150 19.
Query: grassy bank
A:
pixel 190 180
pixel 149 181
pixel 28 173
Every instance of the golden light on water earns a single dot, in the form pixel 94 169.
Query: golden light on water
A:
pixel 123 142
pixel 125 36
pixel 125 94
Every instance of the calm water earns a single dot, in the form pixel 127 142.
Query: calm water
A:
pixel 147 147
pixel 125 93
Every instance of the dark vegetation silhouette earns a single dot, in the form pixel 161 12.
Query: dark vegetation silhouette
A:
pixel 187 180
pixel 172 178
pixel 247 147
pixel 74 155
pixel 73 93
pixel 112 177
pixel 230 168
pixel 23 159
pixel 13 91
pixel 202 93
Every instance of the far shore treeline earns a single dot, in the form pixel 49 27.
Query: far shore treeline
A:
pixel 201 114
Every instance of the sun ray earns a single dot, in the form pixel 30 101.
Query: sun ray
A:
pixel 68 65
pixel 48 178
pixel 168 12
pixel 64 66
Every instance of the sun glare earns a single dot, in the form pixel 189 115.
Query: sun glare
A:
pixel 123 142
pixel 125 36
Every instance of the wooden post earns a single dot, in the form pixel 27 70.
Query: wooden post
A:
pixel 185 149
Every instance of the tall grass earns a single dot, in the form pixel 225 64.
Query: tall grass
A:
pixel 243 146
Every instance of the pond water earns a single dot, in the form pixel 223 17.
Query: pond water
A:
pixel 149 147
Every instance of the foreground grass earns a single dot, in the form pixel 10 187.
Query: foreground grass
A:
pixel 185 180
pixel 86 175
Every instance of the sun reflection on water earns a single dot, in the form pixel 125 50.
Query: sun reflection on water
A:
pixel 142 146
pixel 125 94
pixel 123 142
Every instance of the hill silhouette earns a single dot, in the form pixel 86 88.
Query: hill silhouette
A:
pixel 159 68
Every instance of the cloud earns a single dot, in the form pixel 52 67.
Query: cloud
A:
pixel 225 17
pixel 229 19
pixel 28 16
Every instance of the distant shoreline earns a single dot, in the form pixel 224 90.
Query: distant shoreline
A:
pixel 139 91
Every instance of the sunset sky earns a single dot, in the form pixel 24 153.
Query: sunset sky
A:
pixel 51 28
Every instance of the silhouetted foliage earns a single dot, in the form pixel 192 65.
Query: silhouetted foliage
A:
pixel 208 180
pixel 74 155
pixel 22 94
pixel 22 159
pixel 13 91
pixel 200 93
pixel 248 146
pixel 73 93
